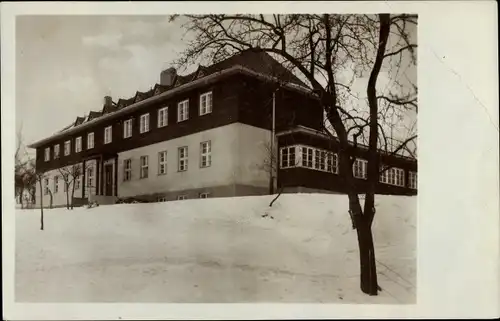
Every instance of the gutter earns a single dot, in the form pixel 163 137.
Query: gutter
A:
pixel 148 101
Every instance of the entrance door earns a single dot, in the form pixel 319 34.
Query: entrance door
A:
pixel 108 180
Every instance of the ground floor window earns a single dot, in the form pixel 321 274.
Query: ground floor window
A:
pixel 204 195
pixel 181 197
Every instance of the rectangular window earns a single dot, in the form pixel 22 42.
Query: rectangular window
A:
pixel 181 197
pixel 163 117
pixel 56 151
pixel 90 140
pixel 77 182
pixel 144 167
pixel 287 158
pixel 206 103
pixel 307 157
pixel 206 154
pixel 67 147
pixel 162 199
pixel 90 177
pixel 359 168
pixel 162 163
pixel 56 184
pixel 384 177
pixel 144 123
pixel 127 128
pixel 412 180
pixel 46 187
pixel 183 159
pixel 332 163
pixel 204 195
pixel 183 111
pixel 399 177
pixel 108 131
pixel 47 154
pixel 127 170
pixel 78 144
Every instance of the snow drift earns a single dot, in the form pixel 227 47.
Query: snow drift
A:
pixel 214 250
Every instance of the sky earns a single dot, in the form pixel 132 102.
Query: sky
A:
pixel 65 65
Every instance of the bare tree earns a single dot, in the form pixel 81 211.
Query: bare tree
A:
pixel 323 49
pixel 39 177
pixel 71 175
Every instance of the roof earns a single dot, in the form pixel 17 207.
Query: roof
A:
pixel 252 59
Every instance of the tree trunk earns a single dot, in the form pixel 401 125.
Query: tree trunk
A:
pixel 67 196
pixel 271 185
pixel 41 206
pixel 51 198
pixel 72 193
pixel 21 197
pixel 277 196
pixel 368 268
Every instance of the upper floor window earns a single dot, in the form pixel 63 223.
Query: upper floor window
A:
pixel 67 147
pixel 412 179
pixel 162 163
pixel 288 157
pixel 359 168
pixel 90 140
pixel 183 111
pixel 56 151
pixel 332 163
pixel 108 134
pixel 47 154
pixel 144 123
pixel 127 128
pixel 183 159
pixel 162 117
pixel 206 103
pixel 307 157
pixel 144 167
pixel 127 170
pixel 205 154
pixel 78 144
pixel 393 176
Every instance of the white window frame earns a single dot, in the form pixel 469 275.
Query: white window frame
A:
pixel 127 170
pixel 399 175
pixel 144 166
pixel 78 144
pixel 308 161
pixel 162 154
pixel 144 123
pixel 90 177
pixel 108 134
pixel 57 151
pixel 206 103
pixel 412 180
pixel 56 184
pixel 67 147
pixel 127 128
pixel 206 154
pixel 77 182
pixel 286 158
pixel 384 176
pixel 90 140
pixel 182 161
pixel 361 164
pixel 162 117
pixel 204 195
pixel 334 158
pixel 183 111
pixel 47 154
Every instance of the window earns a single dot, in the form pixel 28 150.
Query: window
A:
pixel 56 151
pixel 90 177
pixel 332 163
pixel 47 154
pixel 206 103
pixel 319 160
pixel 183 159
pixel 127 170
pixel 287 158
pixel 127 128
pixel 77 182
pixel 307 157
pixel 56 184
pixel 393 176
pixel 144 167
pixel 78 144
pixel 90 140
pixel 412 180
pixel 46 185
pixel 163 117
pixel 204 195
pixel 162 199
pixel 144 123
pixel 206 154
pixel 384 177
pixel 107 134
pixel 399 176
pixel 162 163
pixel 183 111
pixel 67 147
pixel 359 168
pixel 181 197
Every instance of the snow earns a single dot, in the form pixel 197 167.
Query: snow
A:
pixel 214 250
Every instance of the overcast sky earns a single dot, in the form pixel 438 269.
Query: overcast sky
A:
pixel 65 65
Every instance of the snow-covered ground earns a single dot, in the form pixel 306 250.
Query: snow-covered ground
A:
pixel 214 250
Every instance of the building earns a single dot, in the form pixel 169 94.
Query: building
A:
pixel 206 134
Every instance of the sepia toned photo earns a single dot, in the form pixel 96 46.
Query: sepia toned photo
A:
pixel 231 158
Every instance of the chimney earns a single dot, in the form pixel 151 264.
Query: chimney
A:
pixel 108 101
pixel 167 76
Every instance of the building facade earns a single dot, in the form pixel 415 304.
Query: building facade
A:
pixel 206 134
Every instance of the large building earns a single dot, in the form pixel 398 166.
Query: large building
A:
pixel 206 134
